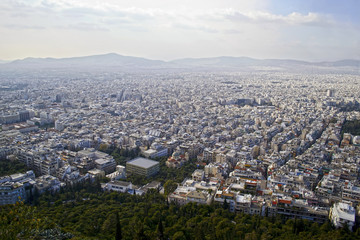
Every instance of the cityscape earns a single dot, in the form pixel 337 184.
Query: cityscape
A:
pixel 268 143
pixel 179 120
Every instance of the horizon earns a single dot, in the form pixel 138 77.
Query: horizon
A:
pixel 309 30
pixel 181 58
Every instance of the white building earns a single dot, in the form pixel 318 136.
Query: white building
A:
pixel 118 186
pixel 342 213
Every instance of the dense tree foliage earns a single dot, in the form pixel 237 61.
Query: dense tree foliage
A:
pixel 121 155
pixel 19 221
pixel 352 127
pixel 8 167
pixel 92 214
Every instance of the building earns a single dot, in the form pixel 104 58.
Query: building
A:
pixel 108 165
pixel 118 186
pixel 24 115
pixel 10 118
pixel 198 175
pixel 288 208
pixel 14 188
pixel 155 153
pixel 341 214
pixel 176 160
pixel 193 191
pixel 97 173
pixel 48 183
pixel 142 166
pixel 11 192
pixel 120 173
pixel 351 193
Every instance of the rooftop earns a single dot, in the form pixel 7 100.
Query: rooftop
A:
pixel 143 162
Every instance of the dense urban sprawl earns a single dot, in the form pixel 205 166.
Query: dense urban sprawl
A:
pixel 270 143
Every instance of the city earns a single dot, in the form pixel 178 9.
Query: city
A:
pixel 266 143
pixel 179 120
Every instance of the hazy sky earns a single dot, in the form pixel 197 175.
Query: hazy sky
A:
pixel 168 29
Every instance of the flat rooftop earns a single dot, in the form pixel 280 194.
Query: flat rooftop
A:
pixel 143 162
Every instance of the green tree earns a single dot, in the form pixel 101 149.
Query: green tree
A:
pixel 169 187
pixel 21 221
pixel 160 231
pixel 179 236
pixel 118 235
pixel 103 147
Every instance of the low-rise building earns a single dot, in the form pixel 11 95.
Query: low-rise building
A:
pixel 108 165
pixel 48 183
pixel 351 193
pixel 118 186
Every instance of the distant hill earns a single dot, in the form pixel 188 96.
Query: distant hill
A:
pixel 113 61
pixel 217 61
pixel 342 63
pixel 105 60
pixel 239 62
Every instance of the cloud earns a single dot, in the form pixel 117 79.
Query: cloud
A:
pixel 23 27
pixel 141 26
pixel 82 26
pixel 195 27
pixel 294 18
pixel 86 10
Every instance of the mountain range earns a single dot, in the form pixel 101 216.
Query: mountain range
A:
pixel 120 62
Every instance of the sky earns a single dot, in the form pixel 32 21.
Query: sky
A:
pixel 312 30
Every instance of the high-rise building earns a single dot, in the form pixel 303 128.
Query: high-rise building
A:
pixel 24 115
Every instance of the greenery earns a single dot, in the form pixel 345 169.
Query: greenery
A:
pixel 93 214
pixel 19 221
pixel 45 126
pixel 8 167
pixel 333 120
pixel 84 211
pixel 352 127
pixel 349 107
pixel 122 155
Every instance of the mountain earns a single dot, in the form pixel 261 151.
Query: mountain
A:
pixel 113 61
pixel 236 62
pixel 252 64
pixel 217 61
pixel 110 59
pixel 342 63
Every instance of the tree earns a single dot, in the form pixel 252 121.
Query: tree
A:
pixel 179 236
pixel 169 187
pixel 140 235
pixel 103 147
pixel 160 231
pixel 225 205
pixel 199 233
pixel 118 228
pixel 20 221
